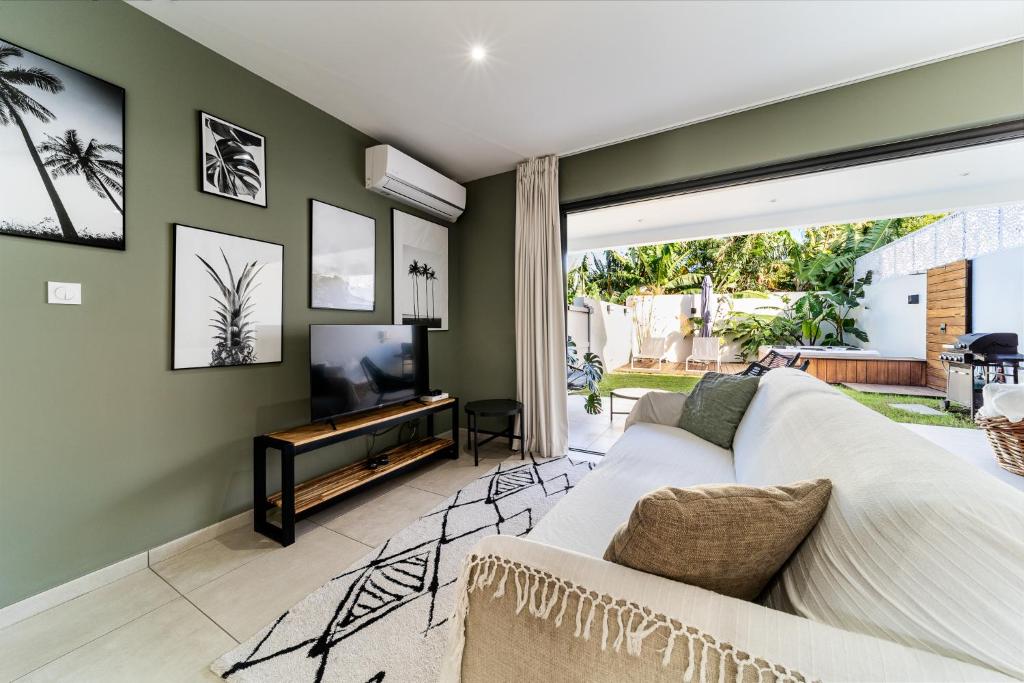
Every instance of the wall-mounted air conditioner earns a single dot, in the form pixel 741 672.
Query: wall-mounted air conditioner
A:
pixel 391 173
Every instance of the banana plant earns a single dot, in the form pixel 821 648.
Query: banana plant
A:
pixel 839 305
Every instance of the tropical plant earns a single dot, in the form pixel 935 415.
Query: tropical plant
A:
pixel 67 155
pixel 809 312
pixel 753 330
pixel 14 102
pixel 234 332
pixel 839 305
pixel 585 373
pixel 230 167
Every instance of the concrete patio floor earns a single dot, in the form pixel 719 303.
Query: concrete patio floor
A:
pixel 596 432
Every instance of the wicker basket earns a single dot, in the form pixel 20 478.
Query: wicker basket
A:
pixel 1007 439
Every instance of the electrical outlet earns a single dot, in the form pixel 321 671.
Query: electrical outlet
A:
pixel 63 293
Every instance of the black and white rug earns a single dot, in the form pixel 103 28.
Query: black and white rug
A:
pixel 385 619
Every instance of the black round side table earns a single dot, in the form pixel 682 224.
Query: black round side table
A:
pixel 495 407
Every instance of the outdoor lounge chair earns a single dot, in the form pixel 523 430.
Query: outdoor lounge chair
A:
pixel 652 348
pixel 706 350
pixel 773 359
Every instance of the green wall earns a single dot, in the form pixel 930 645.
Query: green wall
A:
pixel 106 452
pixel 973 90
pixel 486 246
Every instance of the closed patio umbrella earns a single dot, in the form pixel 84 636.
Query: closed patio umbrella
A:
pixel 705 306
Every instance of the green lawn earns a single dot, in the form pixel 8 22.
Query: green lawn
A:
pixel 877 402
pixel 619 380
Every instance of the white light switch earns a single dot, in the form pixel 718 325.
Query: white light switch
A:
pixel 63 292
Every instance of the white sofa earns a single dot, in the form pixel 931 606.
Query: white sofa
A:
pixel 915 572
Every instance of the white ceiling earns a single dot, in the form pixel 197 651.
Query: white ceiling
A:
pixel 916 185
pixel 566 76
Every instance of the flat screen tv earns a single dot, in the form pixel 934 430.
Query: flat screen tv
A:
pixel 354 368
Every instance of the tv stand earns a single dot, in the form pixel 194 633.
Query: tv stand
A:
pixel 297 501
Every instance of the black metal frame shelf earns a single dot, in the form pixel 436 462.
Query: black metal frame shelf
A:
pixel 291 443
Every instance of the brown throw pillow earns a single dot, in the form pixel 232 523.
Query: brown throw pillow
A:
pixel 727 538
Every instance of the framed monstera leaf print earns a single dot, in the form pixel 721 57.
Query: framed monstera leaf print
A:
pixel 233 161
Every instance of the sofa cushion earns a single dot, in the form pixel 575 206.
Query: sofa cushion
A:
pixel 916 545
pixel 646 457
pixel 658 407
pixel 727 538
pixel 716 406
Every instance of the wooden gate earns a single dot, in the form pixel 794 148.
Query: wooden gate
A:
pixel 949 313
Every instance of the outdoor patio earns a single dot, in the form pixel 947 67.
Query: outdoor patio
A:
pixel 678 369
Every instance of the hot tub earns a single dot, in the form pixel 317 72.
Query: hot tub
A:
pixel 845 364
pixel 821 351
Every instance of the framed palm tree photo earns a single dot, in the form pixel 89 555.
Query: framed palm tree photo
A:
pixel 228 299
pixel 233 161
pixel 419 251
pixel 61 152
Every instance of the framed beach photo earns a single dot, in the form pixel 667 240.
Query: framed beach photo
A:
pixel 342 252
pixel 61 152
pixel 420 271
pixel 228 298
pixel 233 161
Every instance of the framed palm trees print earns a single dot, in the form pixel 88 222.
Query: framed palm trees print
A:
pixel 61 152
pixel 233 160
pixel 342 255
pixel 420 271
pixel 228 296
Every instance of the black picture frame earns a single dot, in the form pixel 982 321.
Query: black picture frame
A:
pixel 205 187
pixel 428 323
pixel 97 243
pixel 174 299
pixel 309 288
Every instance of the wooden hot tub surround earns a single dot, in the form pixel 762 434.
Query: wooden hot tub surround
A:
pixel 907 372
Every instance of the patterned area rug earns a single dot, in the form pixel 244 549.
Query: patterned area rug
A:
pixel 385 619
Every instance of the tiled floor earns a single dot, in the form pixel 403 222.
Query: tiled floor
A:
pixel 596 432
pixel 170 621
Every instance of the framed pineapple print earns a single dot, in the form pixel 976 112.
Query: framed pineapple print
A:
pixel 228 298
pixel 233 161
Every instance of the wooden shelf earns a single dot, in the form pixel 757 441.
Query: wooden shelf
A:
pixel 306 434
pixel 333 484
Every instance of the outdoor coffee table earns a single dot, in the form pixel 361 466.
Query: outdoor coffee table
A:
pixel 631 393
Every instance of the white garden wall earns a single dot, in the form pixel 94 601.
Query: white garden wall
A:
pixel 997 292
pixel 607 330
pixel 895 327
pixel 672 313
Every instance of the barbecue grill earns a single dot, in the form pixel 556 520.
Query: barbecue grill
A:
pixel 976 360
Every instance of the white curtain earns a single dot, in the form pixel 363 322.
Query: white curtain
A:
pixel 540 308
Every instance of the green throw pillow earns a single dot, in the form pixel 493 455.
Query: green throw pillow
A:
pixel 717 404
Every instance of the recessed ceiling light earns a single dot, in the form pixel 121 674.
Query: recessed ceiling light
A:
pixel 478 53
